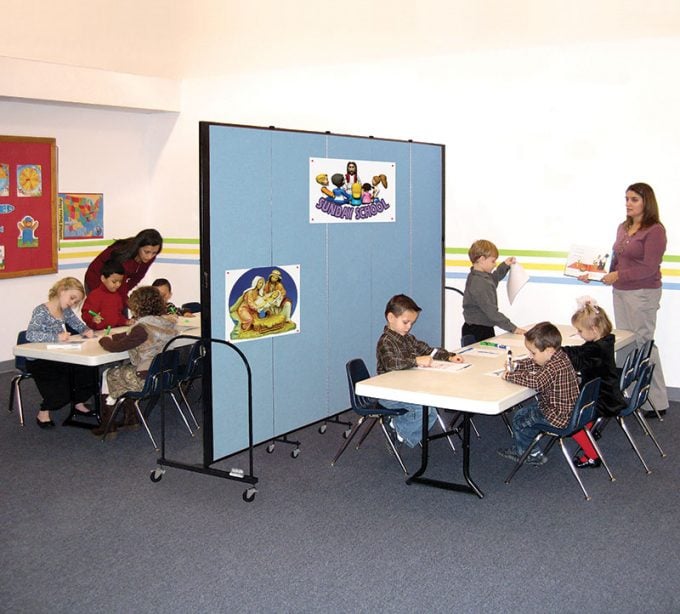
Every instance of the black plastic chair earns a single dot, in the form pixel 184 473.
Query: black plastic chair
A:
pixel 15 384
pixel 636 400
pixel 193 307
pixel 162 378
pixel 644 358
pixel 584 412
pixel 369 410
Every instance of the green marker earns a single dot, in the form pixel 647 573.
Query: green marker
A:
pixel 108 330
pixel 94 314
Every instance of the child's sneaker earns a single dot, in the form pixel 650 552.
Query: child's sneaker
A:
pixel 510 453
pixel 537 458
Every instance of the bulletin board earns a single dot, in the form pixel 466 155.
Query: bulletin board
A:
pixel 28 205
pixel 262 212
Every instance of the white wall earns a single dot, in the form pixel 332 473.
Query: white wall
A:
pixel 541 143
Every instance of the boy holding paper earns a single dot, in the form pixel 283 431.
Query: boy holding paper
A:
pixel 480 303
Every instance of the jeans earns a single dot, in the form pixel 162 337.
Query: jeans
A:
pixel 410 425
pixel 528 422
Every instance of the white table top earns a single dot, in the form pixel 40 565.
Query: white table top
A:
pixel 91 354
pixel 471 389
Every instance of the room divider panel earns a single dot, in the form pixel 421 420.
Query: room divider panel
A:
pixel 268 206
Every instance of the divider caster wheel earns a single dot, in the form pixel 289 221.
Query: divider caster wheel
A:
pixel 249 495
pixel 295 453
pixel 322 429
pixel 270 448
pixel 156 475
pixel 347 432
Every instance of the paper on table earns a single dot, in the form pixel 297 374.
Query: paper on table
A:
pixel 443 366
pixel 65 345
pixel 516 280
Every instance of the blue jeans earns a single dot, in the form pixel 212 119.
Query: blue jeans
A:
pixel 528 422
pixel 410 425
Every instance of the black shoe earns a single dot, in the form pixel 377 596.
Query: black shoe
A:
pixel 45 425
pixel 651 414
pixel 588 463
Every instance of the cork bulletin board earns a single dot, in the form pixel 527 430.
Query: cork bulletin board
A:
pixel 28 206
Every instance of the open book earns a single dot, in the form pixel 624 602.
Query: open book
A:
pixel 586 260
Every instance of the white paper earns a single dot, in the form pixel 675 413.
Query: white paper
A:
pixel 516 280
pixel 444 366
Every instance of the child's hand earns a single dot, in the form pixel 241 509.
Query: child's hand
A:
pixel 424 361
pixel 511 260
pixel 455 358
pixel 519 331
pixel 64 336
pixel 88 333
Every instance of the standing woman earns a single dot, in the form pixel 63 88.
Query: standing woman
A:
pixel 136 254
pixel 635 275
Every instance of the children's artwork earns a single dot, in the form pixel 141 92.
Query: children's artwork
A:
pixel 82 215
pixel 345 191
pixel 586 260
pixel 29 180
pixel 262 301
pixel 4 179
pixel 28 206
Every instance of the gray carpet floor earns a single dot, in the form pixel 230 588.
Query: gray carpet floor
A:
pixel 85 530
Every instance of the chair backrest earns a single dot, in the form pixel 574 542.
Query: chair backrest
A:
pixel 163 372
pixel 357 372
pixel 193 307
pixel 628 371
pixel 193 368
pixel 644 357
pixel 584 408
pixel 641 390
pixel 467 340
pixel 20 361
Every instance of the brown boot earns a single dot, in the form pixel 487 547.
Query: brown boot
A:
pixel 105 414
pixel 131 419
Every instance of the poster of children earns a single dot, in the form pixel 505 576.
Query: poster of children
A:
pixel 351 191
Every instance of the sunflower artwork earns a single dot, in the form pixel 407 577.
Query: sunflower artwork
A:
pixel 29 180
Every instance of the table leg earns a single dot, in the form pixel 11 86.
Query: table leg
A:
pixel 417 477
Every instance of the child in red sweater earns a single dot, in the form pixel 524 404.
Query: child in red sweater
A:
pixel 104 306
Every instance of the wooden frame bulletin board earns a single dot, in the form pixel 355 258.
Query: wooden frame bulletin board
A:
pixel 28 206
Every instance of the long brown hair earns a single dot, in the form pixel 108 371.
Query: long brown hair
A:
pixel 650 212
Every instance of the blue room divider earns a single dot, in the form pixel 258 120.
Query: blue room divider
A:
pixel 255 203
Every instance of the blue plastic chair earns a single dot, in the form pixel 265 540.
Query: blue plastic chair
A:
pixel 636 400
pixel 584 412
pixel 162 378
pixel 15 384
pixel 369 410
pixel 189 372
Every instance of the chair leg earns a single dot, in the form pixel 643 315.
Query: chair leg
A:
pixel 524 456
pixel 372 422
pixel 567 457
pixel 656 411
pixel 181 413
pixel 15 398
pixel 624 427
pixel 508 424
pixel 186 402
pixel 645 425
pixel 347 441
pixel 442 425
pixel 140 413
pixel 595 445
pixel 392 446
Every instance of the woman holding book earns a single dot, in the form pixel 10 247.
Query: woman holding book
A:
pixel 635 276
